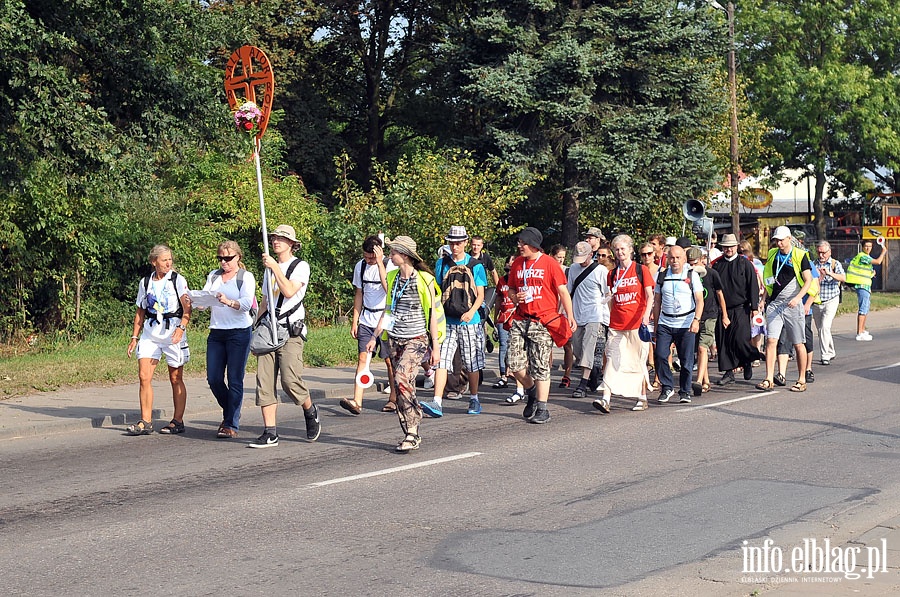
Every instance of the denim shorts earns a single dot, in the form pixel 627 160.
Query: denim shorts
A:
pixel 863 296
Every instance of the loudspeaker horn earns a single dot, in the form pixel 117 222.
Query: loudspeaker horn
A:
pixel 693 210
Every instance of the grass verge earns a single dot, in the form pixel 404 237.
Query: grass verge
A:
pixel 102 361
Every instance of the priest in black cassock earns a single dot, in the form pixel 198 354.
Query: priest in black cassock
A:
pixel 741 289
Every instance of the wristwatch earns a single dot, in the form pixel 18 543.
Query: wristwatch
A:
pixel 181 326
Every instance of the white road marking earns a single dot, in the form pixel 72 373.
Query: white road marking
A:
pixel 395 469
pixel 884 367
pixel 760 395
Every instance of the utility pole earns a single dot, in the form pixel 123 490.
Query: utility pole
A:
pixel 735 154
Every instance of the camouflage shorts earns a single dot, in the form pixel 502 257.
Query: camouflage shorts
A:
pixel 530 345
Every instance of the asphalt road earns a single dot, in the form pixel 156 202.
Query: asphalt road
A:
pixel 652 503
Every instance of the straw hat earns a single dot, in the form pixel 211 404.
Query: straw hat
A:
pixel 404 245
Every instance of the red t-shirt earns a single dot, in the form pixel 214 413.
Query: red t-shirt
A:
pixel 542 278
pixel 629 299
pixel 505 306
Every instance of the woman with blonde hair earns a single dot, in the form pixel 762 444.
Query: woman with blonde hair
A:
pixel 230 329
pixel 160 328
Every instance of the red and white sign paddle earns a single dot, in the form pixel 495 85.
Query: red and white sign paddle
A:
pixel 758 320
pixel 365 379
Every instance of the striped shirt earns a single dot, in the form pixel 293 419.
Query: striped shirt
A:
pixel 409 316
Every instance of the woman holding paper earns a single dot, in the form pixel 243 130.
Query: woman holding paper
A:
pixel 228 345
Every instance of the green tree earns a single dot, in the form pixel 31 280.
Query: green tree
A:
pixel 824 74
pixel 606 100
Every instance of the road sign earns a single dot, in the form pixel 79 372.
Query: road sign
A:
pixel 888 232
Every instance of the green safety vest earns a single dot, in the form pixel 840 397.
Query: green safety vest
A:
pixel 796 261
pixel 860 273
pixel 423 280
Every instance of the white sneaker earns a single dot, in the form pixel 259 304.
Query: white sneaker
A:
pixel 864 337
pixel 867 334
pixel 429 382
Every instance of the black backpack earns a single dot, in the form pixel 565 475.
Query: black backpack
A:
pixel 177 314
pixel 458 290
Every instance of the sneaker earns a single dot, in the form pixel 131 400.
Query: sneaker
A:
pixel 429 382
pixel 825 362
pixel 313 428
pixel 810 376
pixel 641 405
pixel 864 337
pixel 387 389
pixel 531 405
pixel 601 404
pixel 727 378
pixel 410 442
pixel 514 399
pixel 748 371
pixel 540 417
pixel 266 440
pixel 432 409
pixel 454 396
pixel 665 395
pixel 676 365
pixel 684 398
pixel 779 380
pixel 474 406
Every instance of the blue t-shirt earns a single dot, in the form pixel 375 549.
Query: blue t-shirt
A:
pixel 442 266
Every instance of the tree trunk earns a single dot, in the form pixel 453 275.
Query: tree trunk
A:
pixel 570 208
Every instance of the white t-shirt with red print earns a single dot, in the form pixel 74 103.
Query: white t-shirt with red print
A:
pixel 540 278
pixel 629 298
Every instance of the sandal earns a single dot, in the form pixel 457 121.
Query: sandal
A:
pixel 704 387
pixel 502 383
pixel 799 386
pixel 410 442
pixel 565 382
pixel 142 427
pixel 390 407
pixel 764 385
pixel 173 427
pixel 351 406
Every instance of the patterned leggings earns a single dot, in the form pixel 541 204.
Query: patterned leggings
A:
pixel 407 357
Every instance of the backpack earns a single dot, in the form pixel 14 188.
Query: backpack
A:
pixel 254 308
pixel 361 270
pixel 458 291
pixel 661 278
pixel 177 314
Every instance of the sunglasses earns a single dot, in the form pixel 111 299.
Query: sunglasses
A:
pixel 226 258
pixel 646 254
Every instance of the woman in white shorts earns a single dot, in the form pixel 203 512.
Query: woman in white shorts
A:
pixel 160 328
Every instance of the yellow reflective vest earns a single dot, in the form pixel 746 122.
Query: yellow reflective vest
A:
pixel 797 262
pixel 860 273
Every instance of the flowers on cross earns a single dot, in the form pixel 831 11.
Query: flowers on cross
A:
pixel 247 118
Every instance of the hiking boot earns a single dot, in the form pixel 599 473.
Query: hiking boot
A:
pixel 665 395
pixel 727 378
pixel 313 428
pixel 432 409
pixel 540 417
pixel 474 406
pixel 266 440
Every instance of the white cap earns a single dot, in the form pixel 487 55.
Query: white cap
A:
pixel 670 241
pixel 781 233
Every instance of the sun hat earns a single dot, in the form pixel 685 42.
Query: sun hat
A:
pixel 287 232
pixel 583 253
pixel 594 231
pixel 532 237
pixel 404 245
pixel 728 240
pixel 781 233
pixel 457 233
